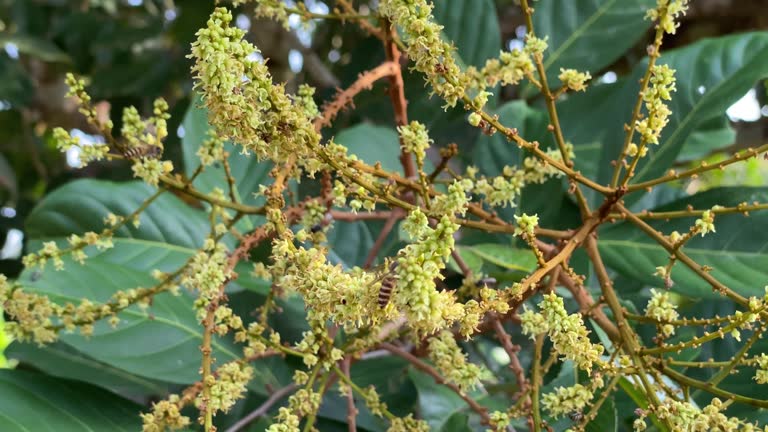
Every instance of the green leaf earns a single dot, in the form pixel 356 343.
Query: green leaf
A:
pixel 507 257
pixel 458 422
pixel 722 68
pixel 713 135
pixel 60 360
pixel 373 144
pixel 33 402
pixel 437 403
pixel 712 75
pixel 247 171
pixel 587 35
pixel 161 343
pixel 351 242
pixel 36 47
pixel 736 252
pixel 461 20
pixel 606 419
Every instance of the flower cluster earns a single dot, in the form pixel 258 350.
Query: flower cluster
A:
pixel 287 421
pixel 565 400
pixel 573 79
pixel 415 139
pixel 761 375
pixel 526 224
pixel 431 55
pixel 706 223
pixel 165 415
pixel 684 416
pixel 212 149
pixel 662 83
pixel 229 386
pixel 666 12
pixel 408 424
pixel 88 152
pixel 419 264
pixel 207 273
pixel 509 69
pixel 77 89
pixel 661 309
pixel 452 363
pixel 570 338
pixel 347 298
pixel 243 103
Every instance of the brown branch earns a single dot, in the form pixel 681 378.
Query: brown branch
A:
pixel 397 97
pixel 394 216
pixel 352 217
pixel 263 408
pixel 512 350
pixel 344 97
pixel 429 370
pixel 351 410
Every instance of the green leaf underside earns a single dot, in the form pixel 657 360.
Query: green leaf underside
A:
pixel 62 361
pixel 736 252
pixel 37 403
pixel 587 35
pixel 711 75
pixel 161 343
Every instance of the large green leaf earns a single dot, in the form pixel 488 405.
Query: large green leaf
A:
pixel 161 343
pixel 736 252
pixel 63 361
pixel 461 20
pixel 588 34
pixel 437 403
pixel 711 75
pixel 373 144
pixel 37 403
pixel 507 257
pixel 247 171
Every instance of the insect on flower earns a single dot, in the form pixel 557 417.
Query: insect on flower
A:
pixel 145 150
pixel 576 416
pixel 388 283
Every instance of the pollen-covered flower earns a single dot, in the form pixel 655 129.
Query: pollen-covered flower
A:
pixel 660 308
pixel 565 400
pixel 574 79
pixel 452 363
pixel 243 103
pixel 165 415
pixel 706 223
pixel 570 338
pixel 666 12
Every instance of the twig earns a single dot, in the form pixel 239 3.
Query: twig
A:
pixel 512 350
pixel 263 408
pixel 429 370
pixel 351 410
pixel 344 97
pixel 393 218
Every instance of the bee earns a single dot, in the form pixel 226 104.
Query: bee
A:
pixel 387 285
pixel 576 416
pixel 487 282
pixel 142 151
